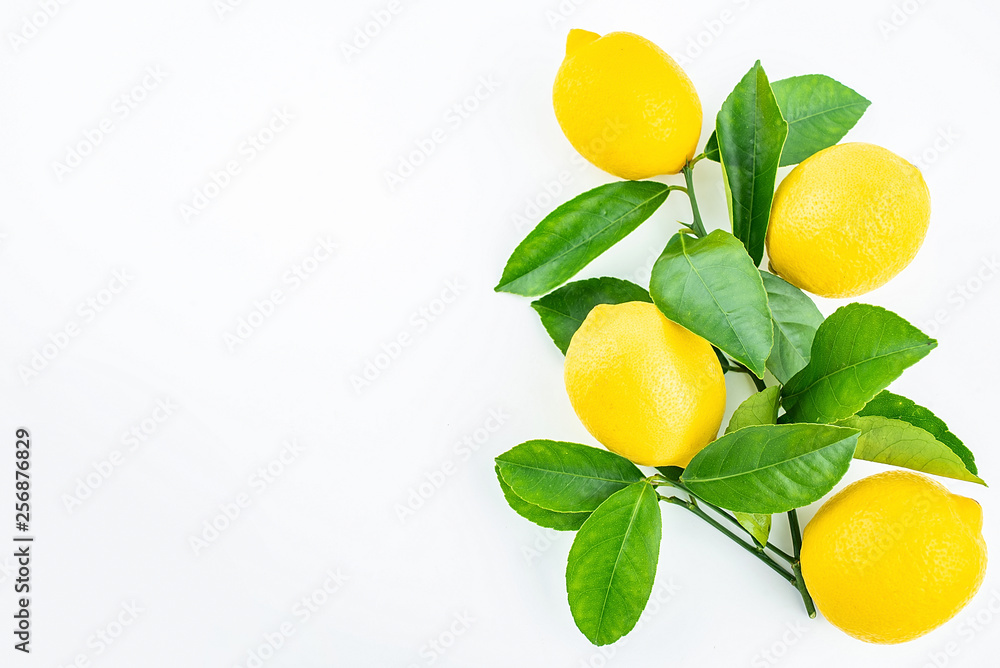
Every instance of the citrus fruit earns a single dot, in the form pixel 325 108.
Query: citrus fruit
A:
pixel 625 105
pixel 645 387
pixel 893 556
pixel 847 219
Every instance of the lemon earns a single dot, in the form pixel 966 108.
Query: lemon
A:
pixel 847 220
pixel 625 105
pixel 893 556
pixel 645 387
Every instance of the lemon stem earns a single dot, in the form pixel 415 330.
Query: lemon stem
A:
pixel 697 226
pixel 794 578
pixel 800 583
pixel 693 507
pixel 757 382
pixel 733 365
pixel 661 480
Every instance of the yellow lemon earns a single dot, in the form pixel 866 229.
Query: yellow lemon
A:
pixel 847 220
pixel 893 556
pixel 645 387
pixel 625 105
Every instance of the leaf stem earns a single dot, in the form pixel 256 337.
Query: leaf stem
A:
pixel 732 520
pixel 757 382
pixel 733 365
pixel 770 546
pixel 698 227
pixel 693 507
pixel 800 583
pixel 794 578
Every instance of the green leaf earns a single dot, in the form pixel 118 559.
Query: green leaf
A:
pixel 758 525
pixel 612 564
pixel 563 311
pixel 898 443
pixel 712 147
pixel 771 468
pixel 711 287
pixel 751 132
pixel 796 320
pixel 577 232
pixel 565 477
pixel 760 408
pixel 894 406
pixel 819 111
pixel 671 472
pixel 857 352
pixel 538 515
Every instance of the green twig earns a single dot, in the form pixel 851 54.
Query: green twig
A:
pixel 732 365
pixel 729 518
pixel 757 382
pixel 794 578
pixel 769 546
pixel 800 583
pixel 698 227
pixel 693 507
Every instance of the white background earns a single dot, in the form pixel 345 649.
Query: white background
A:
pixel 446 231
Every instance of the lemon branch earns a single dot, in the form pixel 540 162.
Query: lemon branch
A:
pixel 660 480
pixel 794 578
pixel 693 507
pixel 698 227
pixel 732 365
pixel 800 583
